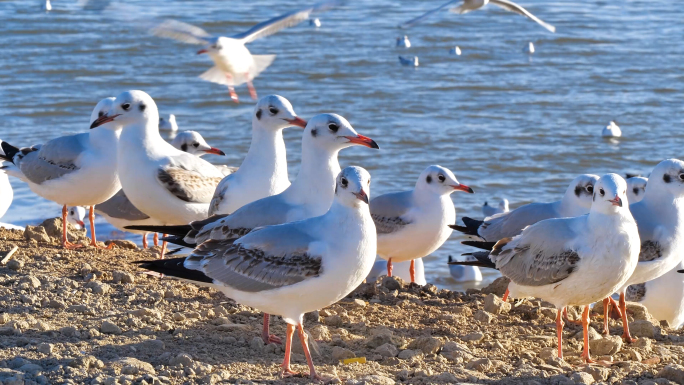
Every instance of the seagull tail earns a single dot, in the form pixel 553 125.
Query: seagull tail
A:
pixel 180 241
pixel 7 151
pixel 480 244
pixel 174 268
pixel 482 260
pixel 470 228
pixel 181 230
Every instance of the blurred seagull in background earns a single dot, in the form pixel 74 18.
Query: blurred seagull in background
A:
pixel 409 61
pixel 529 48
pixel 611 131
pixel 169 124
pixel 403 42
pixel 488 210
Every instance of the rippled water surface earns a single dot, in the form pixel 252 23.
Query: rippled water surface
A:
pixel 508 124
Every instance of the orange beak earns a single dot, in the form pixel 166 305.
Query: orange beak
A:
pixel 462 187
pixel 363 141
pixel 214 150
pixel 617 201
pixel 106 118
pixel 202 51
pixel 297 121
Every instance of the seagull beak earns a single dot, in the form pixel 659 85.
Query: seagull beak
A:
pixel 214 150
pixel 297 121
pixel 80 223
pixel 361 195
pixel 106 118
pixel 202 51
pixel 617 201
pixel 462 187
pixel 363 141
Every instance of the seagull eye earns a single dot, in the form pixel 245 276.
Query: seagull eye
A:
pixel 272 110
pixel 441 178
pixel 602 192
pixel 99 114
pixel 344 182
pixel 333 127
pixel 126 106
pixel 71 213
pixel 195 144
pixel 681 176
pixel 590 188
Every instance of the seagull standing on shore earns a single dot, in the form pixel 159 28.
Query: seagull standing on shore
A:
pixel 413 224
pixel 263 172
pixel 72 170
pixel 294 268
pixel 663 296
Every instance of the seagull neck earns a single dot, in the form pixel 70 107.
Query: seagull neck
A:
pixel 569 206
pixel 104 138
pixel 315 182
pixel 142 136
pixel 267 154
pixel 666 207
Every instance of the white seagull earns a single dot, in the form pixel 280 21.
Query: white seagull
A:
pixel 412 224
pixel 576 201
pixel 611 131
pixel 165 183
pixel 294 268
pixel 574 261
pixel 75 216
pixel 168 124
pixel 403 42
pixel 72 170
pixel 502 207
pixel 663 296
pixel 529 48
pixel 472 5
pixel 6 192
pixel 463 273
pixel 455 51
pixel 233 63
pixel 636 187
pixel 309 195
pixel 263 172
pixel 409 61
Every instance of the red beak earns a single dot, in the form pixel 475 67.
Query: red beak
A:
pixel 462 187
pixel 102 120
pixel 297 121
pixel 362 196
pixel 617 201
pixel 363 141
pixel 214 150
pixel 202 51
pixel 80 223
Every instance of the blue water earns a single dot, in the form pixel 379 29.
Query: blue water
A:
pixel 508 124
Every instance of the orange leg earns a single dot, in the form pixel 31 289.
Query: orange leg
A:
pixel 287 372
pixel 625 323
pixel 412 270
pixel 559 331
pixel 250 86
pixel 389 267
pixel 163 249
pixel 156 239
pixel 606 310
pixel 144 241
pixel 568 320
pixel 506 294
pixel 65 243
pixel 303 338
pixel 585 331
pixel 615 309
pixel 266 336
pixel 93 241
pixel 231 90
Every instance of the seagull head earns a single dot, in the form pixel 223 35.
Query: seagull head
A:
pixel 193 143
pixel 503 205
pixel 103 108
pixel 215 47
pixel 352 187
pixel 581 190
pixel 333 132
pixel 75 216
pixel 667 178
pixel 274 112
pixel 636 187
pixel 610 194
pixel 440 180
pixel 131 107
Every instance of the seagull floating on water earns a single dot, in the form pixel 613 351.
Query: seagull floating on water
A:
pixel 611 131
pixel 409 61
pixel 47 6
pixel 455 51
pixel 472 5
pixel 315 22
pixel 294 268
pixel 403 42
pixel 489 211
pixel 529 48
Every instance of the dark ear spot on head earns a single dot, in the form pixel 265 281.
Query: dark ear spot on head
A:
pixel 184 147
pixel 578 191
pixel 636 191
pixel 258 114
pixel 142 107
pixel 428 179
pixel 667 178
pixel 314 132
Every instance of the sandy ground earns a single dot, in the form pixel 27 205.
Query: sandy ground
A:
pixel 91 317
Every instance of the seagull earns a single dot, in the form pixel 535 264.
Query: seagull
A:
pixel 660 216
pixel 488 210
pixel 529 48
pixel 47 6
pixel 75 216
pixel 413 224
pixel 193 143
pixel 401 270
pixel 294 268
pixel 576 201
pixel 6 192
pixel 574 261
pixel 169 124
pixel 409 61
pixel 315 22
pixel 309 195
pixel 662 296
pixel 636 187
pixel 263 172
pixel 611 131
pixel 455 51
pixel 166 184
pixel 72 170
pixel 233 63
pixel 403 42
pixel 463 273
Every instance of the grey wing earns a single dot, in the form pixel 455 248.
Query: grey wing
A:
pixel 120 207
pixel 650 250
pixel 53 159
pixel 427 14
pixel 183 32
pixel 543 254
pixel 290 19
pixel 270 258
pixel 388 211
pixel 512 223
pixel 190 178
pixel 513 7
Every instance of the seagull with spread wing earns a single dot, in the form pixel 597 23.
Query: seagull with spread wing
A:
pixel 233 63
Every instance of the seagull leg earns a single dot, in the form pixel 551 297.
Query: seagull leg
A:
pixel 144 241
pixel 156 239
pixel 412 270
pixel 606 310
pixel 250 87
pixel 65 243
pixel 231 90
pixel 163 249
pixel 559 331
pixel 568 320
pixel 269 338
pixel 304 338
pixel 287 372
pixel 506 294
pixel 585 331
pixel 625 324
pixel 616 313
pixel 93 241
pixel 389 267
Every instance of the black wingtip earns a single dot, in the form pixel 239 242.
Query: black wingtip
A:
pixel 8 151
pixel 174 267
pixel 470 228
pixel 480 244
pixel 180 230
pixel 680 271
pixel 178 240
